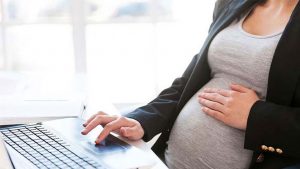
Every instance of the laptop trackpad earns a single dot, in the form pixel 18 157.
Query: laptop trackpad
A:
pixel 110 145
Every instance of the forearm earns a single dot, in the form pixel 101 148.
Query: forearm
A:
pixel 155 116
pixel 274 125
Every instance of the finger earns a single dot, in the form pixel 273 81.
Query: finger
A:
pixel 211 104
pixel 93 116
pixel 114 125
pixel 215 114
pixel 89 120
pixel 223 92
pixel 216 97
pixel 98 120
pixel 239 88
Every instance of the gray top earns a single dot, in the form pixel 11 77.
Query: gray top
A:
pixel 199 141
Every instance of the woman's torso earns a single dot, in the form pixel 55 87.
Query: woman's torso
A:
pixel 199 141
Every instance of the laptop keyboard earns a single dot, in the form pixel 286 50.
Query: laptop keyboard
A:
pixel 44 149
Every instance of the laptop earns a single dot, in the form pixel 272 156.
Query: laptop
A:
pixel 58 144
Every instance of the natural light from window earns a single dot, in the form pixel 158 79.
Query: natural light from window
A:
pixel 129 49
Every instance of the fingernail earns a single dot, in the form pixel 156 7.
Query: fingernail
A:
pixel 83 132
pixel 84 125
pixel 98 141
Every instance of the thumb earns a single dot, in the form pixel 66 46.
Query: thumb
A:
pixel 239 88
pixel 130 132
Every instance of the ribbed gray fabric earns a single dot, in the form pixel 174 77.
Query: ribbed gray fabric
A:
pixel 198 141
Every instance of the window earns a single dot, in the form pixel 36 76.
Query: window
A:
pixel 37 35
pixel 130 49
pixel 128 10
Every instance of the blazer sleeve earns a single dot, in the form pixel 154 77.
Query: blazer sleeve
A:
pixel 274 125
pixel 155 115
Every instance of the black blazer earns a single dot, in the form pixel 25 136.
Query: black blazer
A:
pixel 274 122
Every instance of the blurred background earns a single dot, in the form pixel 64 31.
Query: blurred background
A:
pixel 129 49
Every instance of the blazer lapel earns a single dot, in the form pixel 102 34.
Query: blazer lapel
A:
pixel 235 9
pixel 285 67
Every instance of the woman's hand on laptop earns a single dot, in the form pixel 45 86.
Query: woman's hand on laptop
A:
pixel 125 127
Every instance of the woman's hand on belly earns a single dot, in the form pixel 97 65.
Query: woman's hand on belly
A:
pixel 232 107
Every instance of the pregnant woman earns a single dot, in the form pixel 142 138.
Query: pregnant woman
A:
pixel 237 105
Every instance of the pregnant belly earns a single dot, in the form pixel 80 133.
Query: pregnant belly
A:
pixel 199 141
